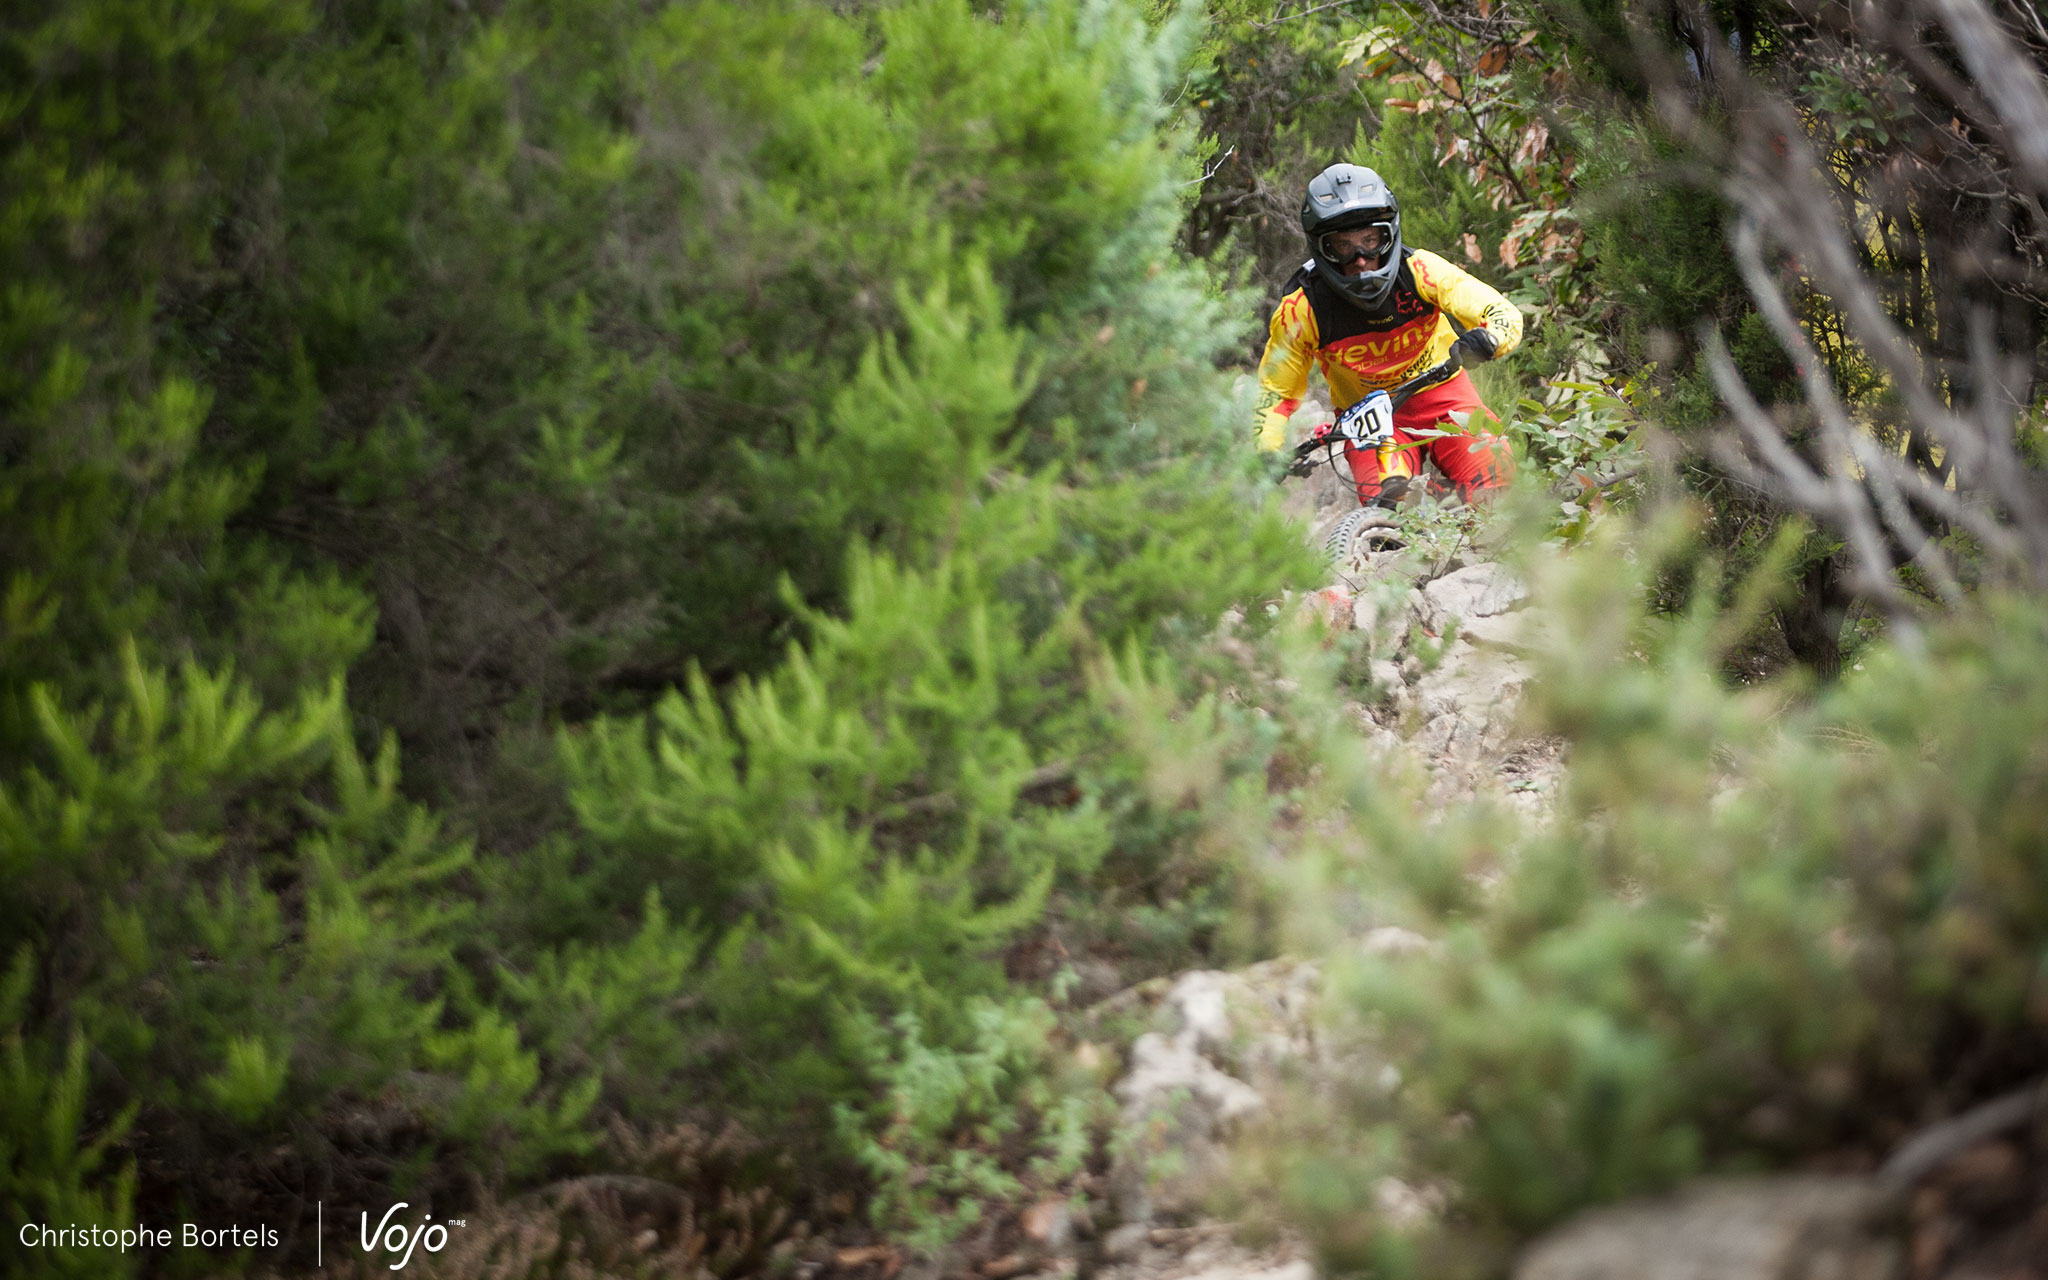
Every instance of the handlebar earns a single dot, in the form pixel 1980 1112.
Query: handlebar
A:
pixel 1399 395
pixel 1430 377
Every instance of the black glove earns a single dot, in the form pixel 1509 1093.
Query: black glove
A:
pixel 1475 347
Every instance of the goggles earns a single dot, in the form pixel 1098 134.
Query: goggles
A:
pixel 1368 242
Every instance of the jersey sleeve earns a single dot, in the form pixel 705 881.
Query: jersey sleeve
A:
pixel 1472 302
pixel 1284 369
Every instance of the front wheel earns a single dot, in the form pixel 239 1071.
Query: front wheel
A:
pixel 1366 529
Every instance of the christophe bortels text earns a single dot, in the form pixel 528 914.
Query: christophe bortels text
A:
pixel 38 1235
pixel 393 1237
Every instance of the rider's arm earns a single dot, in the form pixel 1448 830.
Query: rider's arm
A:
pixel 1284 369
pixel 1472 302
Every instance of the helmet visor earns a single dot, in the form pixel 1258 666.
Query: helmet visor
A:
pixel 1369 242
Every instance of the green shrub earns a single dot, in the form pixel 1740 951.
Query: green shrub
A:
pixel 960 1130
pixel 51 1170
pixel 775 409
pixel 247 926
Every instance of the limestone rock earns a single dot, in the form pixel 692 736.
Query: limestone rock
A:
pixel 1389 681
pixel 1159 1066
pixel 1468 702
pixel 1234 1269
pixel 1393 940
pixel 1366 611
pixel 1332 606
pixel 1385 609
pixel 1402 1206
pixel 1784 1228
pixel 1475 591
pixel 1523 631
pixel 1198 1253
pixel 1186 1087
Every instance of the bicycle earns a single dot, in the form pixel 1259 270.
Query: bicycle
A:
pixel 1368 424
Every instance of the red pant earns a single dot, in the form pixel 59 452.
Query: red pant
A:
pixel 1474 461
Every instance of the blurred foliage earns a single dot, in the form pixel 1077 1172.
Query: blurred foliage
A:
pixel 711 446
pixel 1763 925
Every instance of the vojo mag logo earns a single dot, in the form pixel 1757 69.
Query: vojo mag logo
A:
pixel 396 1240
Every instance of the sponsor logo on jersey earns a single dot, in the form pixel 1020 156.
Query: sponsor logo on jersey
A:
pixel 1373 355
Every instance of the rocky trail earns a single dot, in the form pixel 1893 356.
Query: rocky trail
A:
pixel 1221 1047
pixel 1457 627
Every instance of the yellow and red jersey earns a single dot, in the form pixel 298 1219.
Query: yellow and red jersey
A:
pixel 1315 326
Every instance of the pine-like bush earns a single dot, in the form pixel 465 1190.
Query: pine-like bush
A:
pixel 711 446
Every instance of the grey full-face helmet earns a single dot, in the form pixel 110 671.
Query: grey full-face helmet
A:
pixel 1341 198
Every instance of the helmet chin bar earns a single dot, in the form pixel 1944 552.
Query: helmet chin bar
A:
pixel 1368 289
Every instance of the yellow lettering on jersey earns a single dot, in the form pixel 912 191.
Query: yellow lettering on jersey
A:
pixel 1369 355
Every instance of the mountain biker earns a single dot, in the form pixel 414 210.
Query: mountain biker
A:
pixel 1370 312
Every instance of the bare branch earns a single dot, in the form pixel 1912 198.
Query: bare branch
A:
pixel 1788 475
pixel 1840 433
pixel 1211 172
pixel 2008 79
pixel 1781 186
